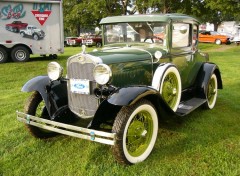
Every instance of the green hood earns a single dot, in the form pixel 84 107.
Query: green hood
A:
pixel 123 54
pixel 129 65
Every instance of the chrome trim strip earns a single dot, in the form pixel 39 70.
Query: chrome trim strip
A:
pixel 70 130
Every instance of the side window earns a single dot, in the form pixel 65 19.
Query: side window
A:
pixel 195 35
pixel 180 35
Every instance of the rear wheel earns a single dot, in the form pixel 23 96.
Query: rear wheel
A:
pixel 136 129
pixel 99 44
pixel 20 54
pixel 211 92
pixel 3 55
pixel 218 42
pixel 36 107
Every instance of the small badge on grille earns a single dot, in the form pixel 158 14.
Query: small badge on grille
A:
pixel 79 86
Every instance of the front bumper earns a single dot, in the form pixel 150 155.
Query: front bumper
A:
pixel 70 130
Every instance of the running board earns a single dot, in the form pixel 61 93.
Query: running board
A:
pixel 70 130
pixel 188 106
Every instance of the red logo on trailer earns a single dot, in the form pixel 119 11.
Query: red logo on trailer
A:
pixel 41 16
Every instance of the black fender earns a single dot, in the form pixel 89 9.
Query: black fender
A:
pixel 204 75
pixel 127 96
pixel 53 93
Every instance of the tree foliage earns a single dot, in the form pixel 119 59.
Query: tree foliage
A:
pixel 88 13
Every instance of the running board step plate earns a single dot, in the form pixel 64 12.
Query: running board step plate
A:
pixel 188 106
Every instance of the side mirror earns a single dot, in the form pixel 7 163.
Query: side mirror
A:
pixel 97 31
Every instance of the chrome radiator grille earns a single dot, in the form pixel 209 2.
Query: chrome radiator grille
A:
pixel 81 67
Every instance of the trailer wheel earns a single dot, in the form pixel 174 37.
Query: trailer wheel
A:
pixel 20 54
pixel 136 129
pixel 35 106
pixel 3 55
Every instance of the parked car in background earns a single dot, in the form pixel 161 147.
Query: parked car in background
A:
pixel 229 35
pixel 76 41
pixel 92 40
pixel 213 37
pixel 123 90
pixel 16 26
pixel 67 40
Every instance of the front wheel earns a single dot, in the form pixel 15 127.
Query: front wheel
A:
pixel 136 129
pixel 36 107
pixel 35 37
pixel 211 92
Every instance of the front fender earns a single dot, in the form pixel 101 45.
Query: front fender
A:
pixel 54 93
pixel 38 84
pixel 127 96
pixel 130 95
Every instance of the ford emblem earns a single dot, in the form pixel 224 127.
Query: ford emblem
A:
pixel 79 86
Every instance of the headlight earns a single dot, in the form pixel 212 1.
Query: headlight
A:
pixel 102 74
pixel 54 71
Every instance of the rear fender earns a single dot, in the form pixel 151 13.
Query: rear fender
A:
pixel 204 76
pixel 127 96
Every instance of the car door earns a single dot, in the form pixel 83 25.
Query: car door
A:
pixel 184 41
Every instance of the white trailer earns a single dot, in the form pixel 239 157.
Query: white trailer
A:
pixel 30 27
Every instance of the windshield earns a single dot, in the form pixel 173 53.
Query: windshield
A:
pixel 135 32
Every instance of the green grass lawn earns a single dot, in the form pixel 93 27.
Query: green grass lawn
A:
pixel 202 143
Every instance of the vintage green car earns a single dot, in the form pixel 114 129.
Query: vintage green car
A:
pixel 149 68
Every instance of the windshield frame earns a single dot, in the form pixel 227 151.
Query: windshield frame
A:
pixel 125 32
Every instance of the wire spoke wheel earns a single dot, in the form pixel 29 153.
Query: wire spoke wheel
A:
pixel 136 128
pixel 170 87
pixel 211 93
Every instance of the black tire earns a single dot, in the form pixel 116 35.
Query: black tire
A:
pixel 98 44
pixel 15 30
pixel 35 37
pixel 22 34
pixel 3 55
pixel 20 54
pixel 35 106
pixel 211 92
pixel 53 56
pixel 137 124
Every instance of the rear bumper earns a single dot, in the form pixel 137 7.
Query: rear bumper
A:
pixel 70 130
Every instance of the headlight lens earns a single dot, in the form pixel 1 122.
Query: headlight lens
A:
pixel 54 71
pixel 102 74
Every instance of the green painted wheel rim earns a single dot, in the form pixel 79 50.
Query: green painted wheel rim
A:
pixel 211 91
pixel 170 89
pixel 139 134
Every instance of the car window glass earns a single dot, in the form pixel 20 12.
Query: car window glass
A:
pixel 195 35
pixel 180 35
pixel 135 32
